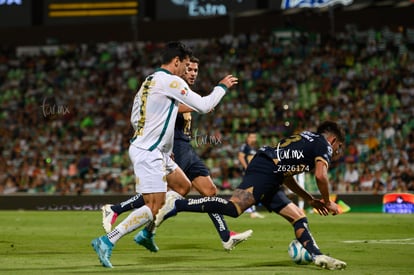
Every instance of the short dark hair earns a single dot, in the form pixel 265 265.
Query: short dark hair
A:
pixel 332 128
pixel 194 59
pixel 173 49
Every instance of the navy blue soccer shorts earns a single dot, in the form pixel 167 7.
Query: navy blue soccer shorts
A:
pixel 188 160
pixel 267 185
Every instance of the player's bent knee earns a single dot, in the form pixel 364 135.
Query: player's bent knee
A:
pixel 183 190
pixel 291 212
pixel 179 182
pixel 205 186
pixel 208 192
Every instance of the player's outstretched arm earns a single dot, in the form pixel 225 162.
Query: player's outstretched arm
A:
pixel 321 176
pixel 180 91
pixel 293 185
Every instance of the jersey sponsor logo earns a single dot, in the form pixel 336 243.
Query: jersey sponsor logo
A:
pixel 131 200
pixel 330 152
pixel 206 199
pixel 219 221
pixel 174 84
pixel 308 135
pixel 184 91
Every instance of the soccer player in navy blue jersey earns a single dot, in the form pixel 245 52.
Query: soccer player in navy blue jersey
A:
pixel 273 167
pixel 246 153
pixel 194 168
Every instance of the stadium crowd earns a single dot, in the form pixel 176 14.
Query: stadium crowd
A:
pixel 64 117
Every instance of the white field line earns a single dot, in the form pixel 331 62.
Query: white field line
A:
pixel 394 241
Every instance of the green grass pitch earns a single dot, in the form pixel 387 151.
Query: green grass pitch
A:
pixel 37 242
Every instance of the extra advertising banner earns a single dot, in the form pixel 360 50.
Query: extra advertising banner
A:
pixel 190 9
pixel 398 203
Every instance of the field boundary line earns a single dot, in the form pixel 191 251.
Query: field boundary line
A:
pixel 409 241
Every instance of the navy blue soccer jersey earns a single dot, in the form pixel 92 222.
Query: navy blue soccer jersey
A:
pixel 184 154
pixel 248 152
pixel 182 130
pixel 293 155
pixel 299 153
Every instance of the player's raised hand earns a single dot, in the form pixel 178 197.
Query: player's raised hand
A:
pixel 229 81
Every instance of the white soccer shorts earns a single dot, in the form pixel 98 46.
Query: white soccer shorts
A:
pixel 151 169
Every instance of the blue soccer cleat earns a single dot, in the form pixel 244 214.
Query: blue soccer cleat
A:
pixel 146 239
pixel 103 247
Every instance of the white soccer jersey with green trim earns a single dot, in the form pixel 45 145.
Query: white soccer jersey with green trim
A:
pixel 156 105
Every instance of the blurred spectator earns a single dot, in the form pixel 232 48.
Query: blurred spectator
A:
pixel 379 184
pixel 351 178
pixel 366 180
pixel 10 185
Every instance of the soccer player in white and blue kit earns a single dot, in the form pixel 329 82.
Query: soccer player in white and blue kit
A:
pixel 153 117
pixel 197 172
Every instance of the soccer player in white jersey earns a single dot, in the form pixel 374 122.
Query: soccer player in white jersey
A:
pixel 194 168
pixel 153 117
